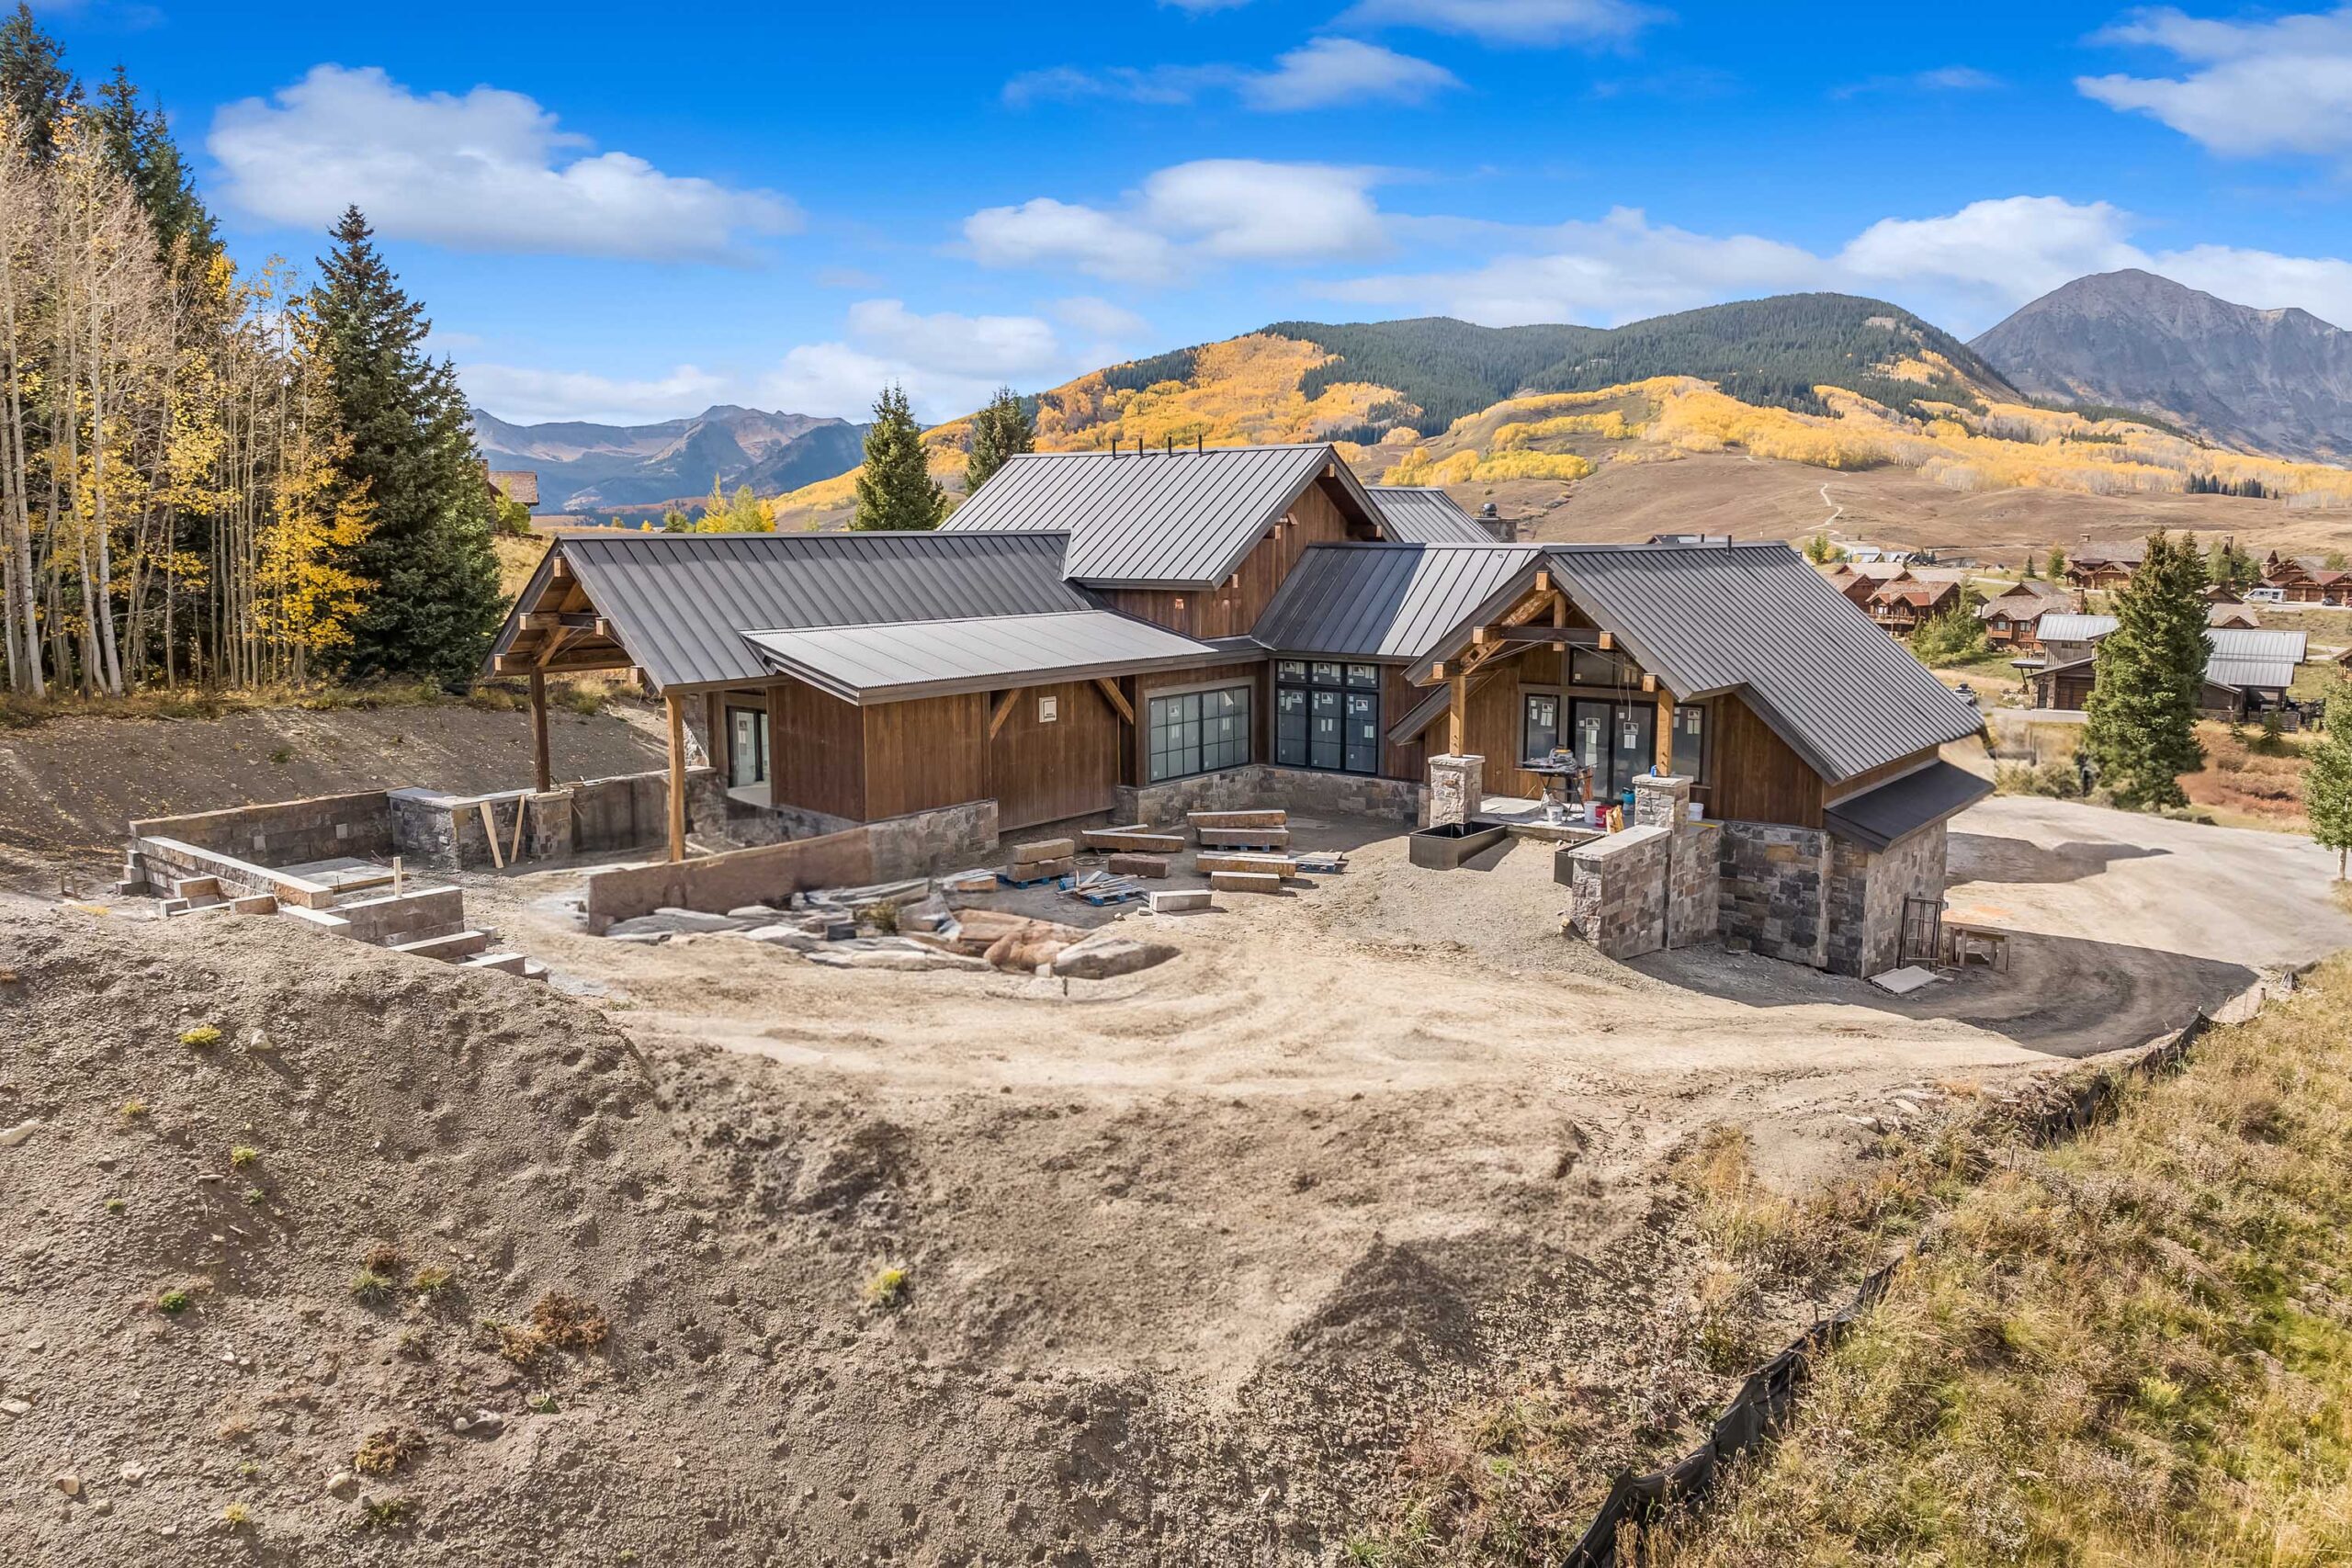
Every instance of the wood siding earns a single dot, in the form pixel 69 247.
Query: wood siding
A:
pixel 1878 776
pixel 927 752
pixel 818 748
pixel 1496 714
pixel 1753 775
pixel 1044 773
pixel 1232 607
pixel 1408 759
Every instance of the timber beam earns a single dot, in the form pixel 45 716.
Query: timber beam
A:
pixel 1003 710
pixel 1115 697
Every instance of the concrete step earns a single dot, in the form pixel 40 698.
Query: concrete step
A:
pixel 194 888
pixel 448 949
pixel 191 906
pixel 535 970
pixel 503 963
pixel 255 904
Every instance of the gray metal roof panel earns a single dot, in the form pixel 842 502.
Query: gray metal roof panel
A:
pixel 2074 629
pixel 2259 642
pixel 890 663
pixel 2271 674
pixel 1423 515
pixel 1152 519
pixel 1757 619
pixel 1383 601
pixel 680 603
pixel 1897 810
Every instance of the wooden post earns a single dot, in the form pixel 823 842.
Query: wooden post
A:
pixel 540 769
pixel 678 706
pixel 1664 730
pixel 1457 715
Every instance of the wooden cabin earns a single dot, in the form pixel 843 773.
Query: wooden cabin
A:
pixel 2013 617
pixel 2105 566
pixel 1093 633
pixel 2306 580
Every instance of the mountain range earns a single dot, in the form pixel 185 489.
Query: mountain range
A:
pixel 584 466
pixel 2277 381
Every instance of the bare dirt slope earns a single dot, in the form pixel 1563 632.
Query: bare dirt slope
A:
pixel 74 784
pixel 1766 499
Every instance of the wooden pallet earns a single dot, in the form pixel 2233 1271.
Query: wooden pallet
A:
pixel 1033 875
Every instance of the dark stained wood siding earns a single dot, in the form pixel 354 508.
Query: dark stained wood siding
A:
pixel 1497 709
pixel 1232 607
pixel 1878 776
pixel 927 752
pixel 1398 696
pixel 818 741
pixel 1044 773
pixel 1753 775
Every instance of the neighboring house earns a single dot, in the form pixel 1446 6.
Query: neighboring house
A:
pixel 1424 515
pixel 1689 539
pixel 1126 637
pixel 2105 566
pixel 2013 617
pixel 515 484
pixel 2306 580
pixel 1901 602
pixel 2230 613
pixel 2248 673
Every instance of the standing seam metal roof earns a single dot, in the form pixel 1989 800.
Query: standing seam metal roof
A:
pixel 1152 520
pixel 1384 601
pixel 886 663
pixel 1423 515
pixel 679 603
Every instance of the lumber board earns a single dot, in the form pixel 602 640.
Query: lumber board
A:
pixel 1237 818
pixel 1245 882
pixel 1244 838
pixel 1213 862
pixel 1133 840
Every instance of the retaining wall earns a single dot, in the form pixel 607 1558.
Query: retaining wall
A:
pixel 285 833
pixel 1262 786
pixel 1774 891
pixel 1617 891
pixel 1868 890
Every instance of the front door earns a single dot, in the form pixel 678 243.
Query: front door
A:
pixel 1616 742
pixel 747 746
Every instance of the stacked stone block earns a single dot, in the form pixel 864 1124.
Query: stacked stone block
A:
pixel 1617 891
pixel 1774 886
pixel 1262 786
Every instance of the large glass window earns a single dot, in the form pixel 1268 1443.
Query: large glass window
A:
pixel 1538 727
pixel 1327 715
pixel 1198 732
pixel 1689 742
pixel 747 746
pixel 1617 741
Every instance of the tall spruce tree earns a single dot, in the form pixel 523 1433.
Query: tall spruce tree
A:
pixel 999 430
pixel 35 86
pixel 2327 790
pixel 895 490
pixel 2142 733
pixel 138 147
pixel 435 599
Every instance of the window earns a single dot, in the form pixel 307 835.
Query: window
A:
pixel 1327 715
pixel 1198 732
pixel 1538 727
pixel 1689 742
pixel 747 746
pixel 1617 741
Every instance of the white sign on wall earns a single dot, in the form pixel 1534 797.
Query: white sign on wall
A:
pixel 1048 709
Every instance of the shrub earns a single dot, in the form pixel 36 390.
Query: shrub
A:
pixel 242 1155
pixel 386 1450
pixel 568 1322
pixel 371 1288
pixel 886 1287
pixel 132 1110
pixel 236 1517
pixel 2059 780
pixel 386 1513
pixel 173 1301
pixel 432 1280
pixel 202 1037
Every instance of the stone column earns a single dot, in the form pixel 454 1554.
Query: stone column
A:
pixel 1661 802
pixel 1457 788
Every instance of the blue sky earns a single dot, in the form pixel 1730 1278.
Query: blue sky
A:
pixel 628 214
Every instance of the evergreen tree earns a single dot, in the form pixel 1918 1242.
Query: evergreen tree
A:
pixel 139 146
pixel 999 430
pixel 2141 732
pixel 2327 794
pixel 895 490
pixel 674 521
pixel 436 600
pixel 36 89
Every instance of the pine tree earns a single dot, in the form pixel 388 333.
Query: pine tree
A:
pixel 999 430
pixel 36 90
pixel 895 490
pixel 411 452
pixel 139 146
pixel 673 521
pixel 2142 730
pixel 2327 794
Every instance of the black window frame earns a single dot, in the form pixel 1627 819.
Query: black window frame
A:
pixel 1186 717
pixel 1346 691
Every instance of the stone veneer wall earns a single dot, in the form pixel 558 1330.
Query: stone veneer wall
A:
pixel 1617 891
pixel 435 830
pixel 926 843
pixel 1262 786
pixel 1774 891
pixel 1867 892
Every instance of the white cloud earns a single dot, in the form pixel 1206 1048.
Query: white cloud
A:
pixel 524 396
pixel 1101 319
pixel 487 171
pixel 1540 23
pixel 2283 85
pixel 1045 233
pixel 1961 270
pixel 1325 73
pixel 949 364
pixel 1941 79
pixel 1237 209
